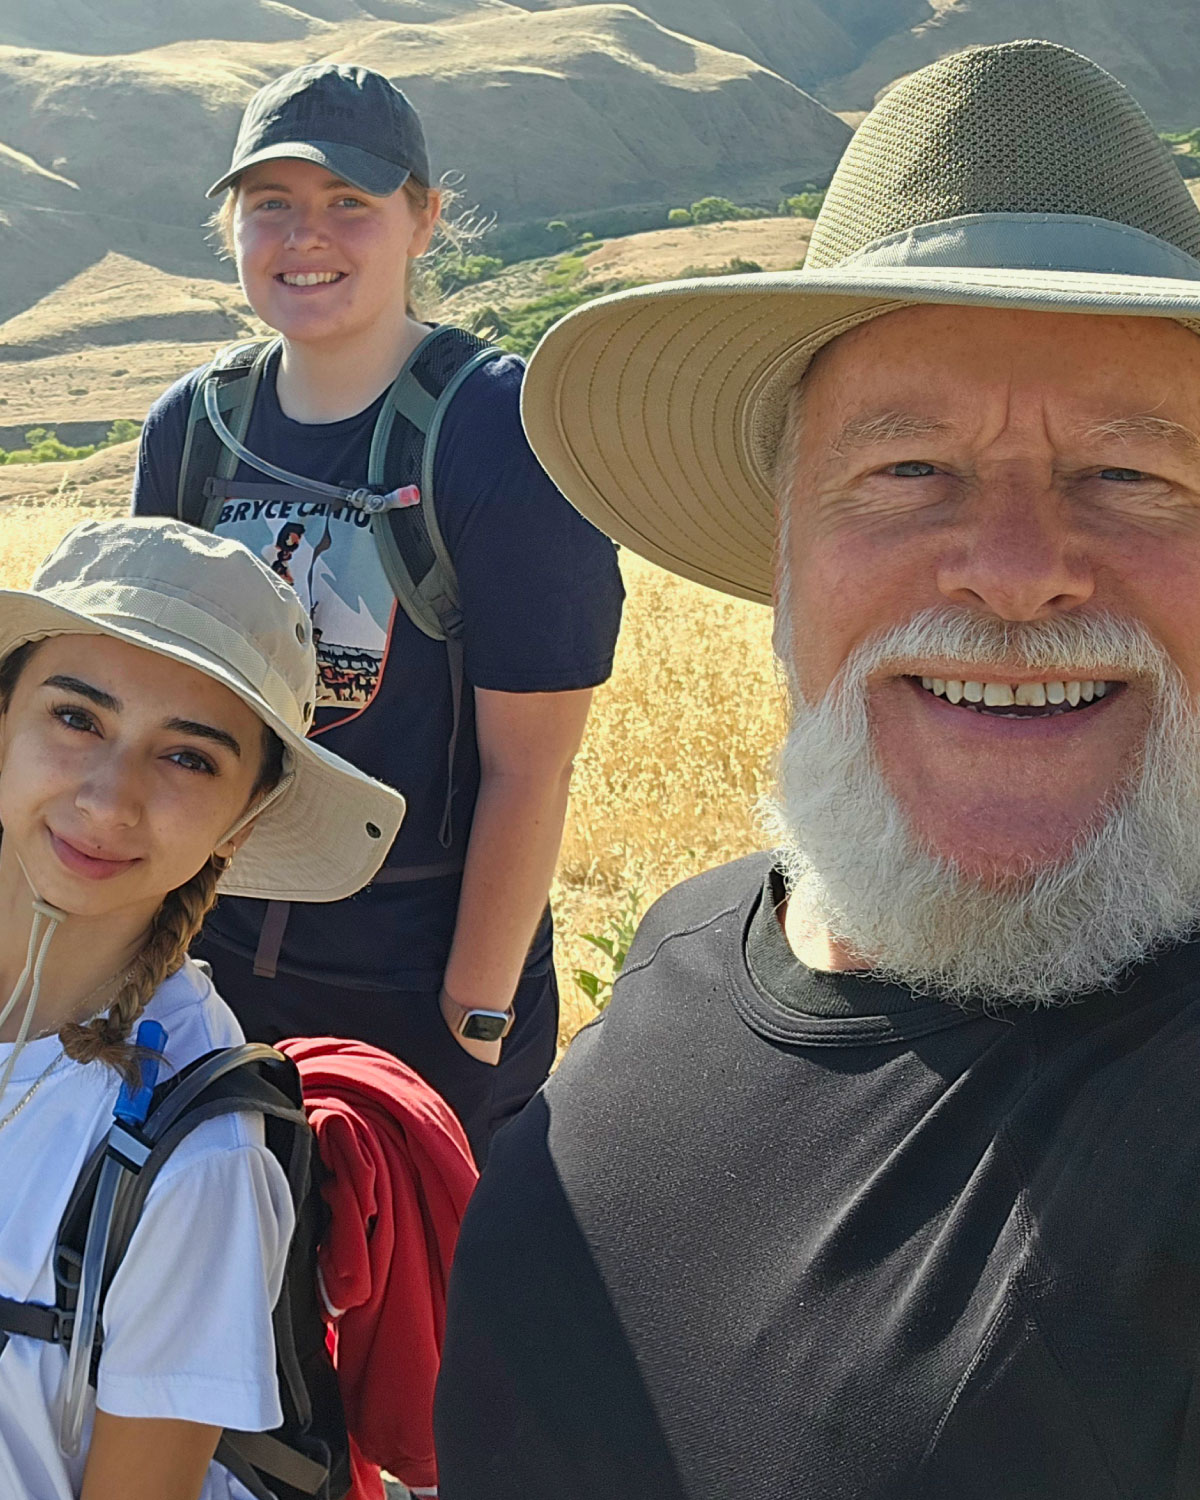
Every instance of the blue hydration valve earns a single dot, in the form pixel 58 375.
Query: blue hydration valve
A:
pixel 134 1104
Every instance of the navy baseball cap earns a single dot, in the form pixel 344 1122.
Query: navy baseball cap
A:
pixel 349 119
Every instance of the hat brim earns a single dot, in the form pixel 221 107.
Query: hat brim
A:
pixel 658 411
pixel 327 833
pixel 356 167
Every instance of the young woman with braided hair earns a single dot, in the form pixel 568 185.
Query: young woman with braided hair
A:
pixel 156 686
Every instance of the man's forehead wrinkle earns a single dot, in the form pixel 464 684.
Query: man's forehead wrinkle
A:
pixel 889 426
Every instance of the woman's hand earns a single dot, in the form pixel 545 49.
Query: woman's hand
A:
pixel 145 1458
pixel 452 1014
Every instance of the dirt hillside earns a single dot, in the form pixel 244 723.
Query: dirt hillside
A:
pixel 1153 47
pixel 543 112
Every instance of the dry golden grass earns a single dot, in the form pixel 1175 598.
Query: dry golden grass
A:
pixel 676 755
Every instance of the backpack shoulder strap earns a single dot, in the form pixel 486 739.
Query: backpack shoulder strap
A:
pixel 308 1454
pixel 236 371
pixel 410 541
pixel 249 1078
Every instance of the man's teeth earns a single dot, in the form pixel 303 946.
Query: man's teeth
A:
pixel 1021 694
pixel 310 278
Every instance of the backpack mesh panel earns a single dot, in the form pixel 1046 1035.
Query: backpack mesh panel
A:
pixel 439 363
pixel 1024 127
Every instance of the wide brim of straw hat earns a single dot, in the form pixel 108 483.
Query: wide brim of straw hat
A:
pixel 322 837
pixel 658 411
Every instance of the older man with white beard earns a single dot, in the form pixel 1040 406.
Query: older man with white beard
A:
pixel 880 1177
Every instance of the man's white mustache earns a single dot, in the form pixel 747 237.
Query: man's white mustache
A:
pixel 1069 647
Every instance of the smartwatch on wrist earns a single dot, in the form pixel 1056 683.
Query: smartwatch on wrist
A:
pixel 476 1024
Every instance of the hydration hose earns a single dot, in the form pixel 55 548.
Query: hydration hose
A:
pixel 124 1157
pixel 359 499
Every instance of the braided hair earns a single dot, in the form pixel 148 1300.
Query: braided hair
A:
pixel 176 923
pixel 174 928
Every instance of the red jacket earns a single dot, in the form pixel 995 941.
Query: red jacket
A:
pixel 400 1174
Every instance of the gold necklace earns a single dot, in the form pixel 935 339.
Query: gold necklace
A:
pixel 58 1057
pixel 29 1092
pixel 117 982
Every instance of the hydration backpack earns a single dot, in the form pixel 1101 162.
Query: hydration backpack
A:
pixel 399 493
pixel 398 497
pixel 308 1456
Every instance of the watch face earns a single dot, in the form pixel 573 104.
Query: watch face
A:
pixel 484 1025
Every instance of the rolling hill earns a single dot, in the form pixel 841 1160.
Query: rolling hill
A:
pixel 543 112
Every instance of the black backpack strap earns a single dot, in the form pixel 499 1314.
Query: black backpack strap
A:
pixel 224 1082
pixel 308 1456
pixel 236 372
pixel 411 546
pixel 31 1321
pixel 403 449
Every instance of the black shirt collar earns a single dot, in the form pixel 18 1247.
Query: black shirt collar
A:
pixel 789 1002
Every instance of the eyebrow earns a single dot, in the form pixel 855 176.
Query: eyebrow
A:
pixel 113 705
pixel 885 427
pixel 1147 425
pixel 205 732
pixel 85 690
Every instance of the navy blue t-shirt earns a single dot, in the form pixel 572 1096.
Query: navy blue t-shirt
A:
pixel 541 598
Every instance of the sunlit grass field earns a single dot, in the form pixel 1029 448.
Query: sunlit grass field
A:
pixel 677 752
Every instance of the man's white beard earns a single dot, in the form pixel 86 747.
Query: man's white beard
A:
pixel 855 870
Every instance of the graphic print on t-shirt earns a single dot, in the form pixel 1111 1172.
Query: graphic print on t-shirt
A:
pixel 329 556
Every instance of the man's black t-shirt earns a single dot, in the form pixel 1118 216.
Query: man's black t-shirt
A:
pixel 783 1234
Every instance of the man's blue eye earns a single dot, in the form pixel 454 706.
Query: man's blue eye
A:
pixel 1124 476
pixel 913 469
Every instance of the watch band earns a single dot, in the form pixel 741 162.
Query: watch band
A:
pixel 479 1023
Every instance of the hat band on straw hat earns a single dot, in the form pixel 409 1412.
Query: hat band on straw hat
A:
pixel 1030 242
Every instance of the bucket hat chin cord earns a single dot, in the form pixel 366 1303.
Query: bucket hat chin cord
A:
pixel 46 922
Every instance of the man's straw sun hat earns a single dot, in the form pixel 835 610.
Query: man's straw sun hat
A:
pixel 208 602
pixel 1016 176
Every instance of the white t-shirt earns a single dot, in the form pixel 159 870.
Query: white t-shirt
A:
pixel 187 1322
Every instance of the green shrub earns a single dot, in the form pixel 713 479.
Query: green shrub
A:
pixel 1188 139
pixel 519 328
pixel 42 446
pixel 466 270
pixel 121 431
pixel 614 944
pixel 802 205
pixel 567 269
pixel 679 216
pixel 719 211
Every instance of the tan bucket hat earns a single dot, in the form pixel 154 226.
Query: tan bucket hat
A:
pixel 1021 176
pixel 208 602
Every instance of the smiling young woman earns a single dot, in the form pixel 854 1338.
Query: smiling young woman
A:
pixel 330 203
pixel 140 774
